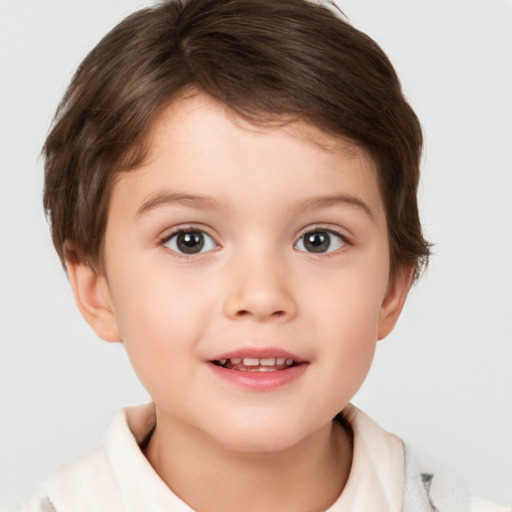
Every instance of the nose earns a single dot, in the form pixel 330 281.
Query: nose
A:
pixel 260 289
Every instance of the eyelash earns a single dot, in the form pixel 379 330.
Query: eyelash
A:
pixel 318 228
pixel 333 231
pixel 189 229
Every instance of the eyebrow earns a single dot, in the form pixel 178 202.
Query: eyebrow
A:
pixel 346 199
pixel 171 198
pixel 209 203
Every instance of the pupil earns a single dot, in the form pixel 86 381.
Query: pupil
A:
pixel 318 241
pixel 190 242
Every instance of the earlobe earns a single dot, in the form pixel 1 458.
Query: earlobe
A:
pixel 93 299
pixel 394 301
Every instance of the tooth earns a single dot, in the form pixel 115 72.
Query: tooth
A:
pixel 223 361
pixel 280 360
pixel 267 369
pixel 236 360
pixel 250 362
pixel 289 362
pixel 270 361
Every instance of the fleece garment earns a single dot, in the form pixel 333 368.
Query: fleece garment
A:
pixel 116 476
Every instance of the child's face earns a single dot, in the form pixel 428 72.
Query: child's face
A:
pixel 234 241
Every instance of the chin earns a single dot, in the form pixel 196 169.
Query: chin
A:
pixel 260 436
pixel 261 445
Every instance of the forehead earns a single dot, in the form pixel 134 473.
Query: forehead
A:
pixel 186 115
pixel 199 145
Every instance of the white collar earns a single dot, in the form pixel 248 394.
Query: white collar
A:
pixel 123 479
pixel 376 479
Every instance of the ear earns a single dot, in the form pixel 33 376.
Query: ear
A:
pixel 92 296
pixel 394 300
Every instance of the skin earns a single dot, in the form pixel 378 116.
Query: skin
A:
pixel 218 445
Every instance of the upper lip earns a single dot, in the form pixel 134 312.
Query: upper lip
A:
pixel 259 353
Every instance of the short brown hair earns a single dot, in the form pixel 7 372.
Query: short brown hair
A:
pixel 264 60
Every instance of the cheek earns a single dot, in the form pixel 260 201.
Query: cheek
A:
pixel 160 317
pixel 350 338
pixel 349 301
pixel 349 309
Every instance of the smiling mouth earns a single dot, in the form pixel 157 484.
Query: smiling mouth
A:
pixel 252 364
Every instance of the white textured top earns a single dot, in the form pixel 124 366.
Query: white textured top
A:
pixel 116 476
pixel 376 479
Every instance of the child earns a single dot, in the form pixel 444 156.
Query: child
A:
pixel 231 187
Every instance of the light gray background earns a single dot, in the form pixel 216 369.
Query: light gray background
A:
pixel 442 380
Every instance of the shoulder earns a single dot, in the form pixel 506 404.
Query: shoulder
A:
pixel 478 505
pixel 76 485
pixel 416 485
pixel 431 490
pixel 92 482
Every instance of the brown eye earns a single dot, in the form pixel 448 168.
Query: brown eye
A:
pixel 320 241
pixel 190 242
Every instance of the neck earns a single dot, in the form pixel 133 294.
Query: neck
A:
pixel 209 478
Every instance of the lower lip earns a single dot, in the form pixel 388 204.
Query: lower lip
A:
pixel 259 381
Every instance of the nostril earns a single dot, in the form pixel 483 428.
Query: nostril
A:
pixel 275 314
